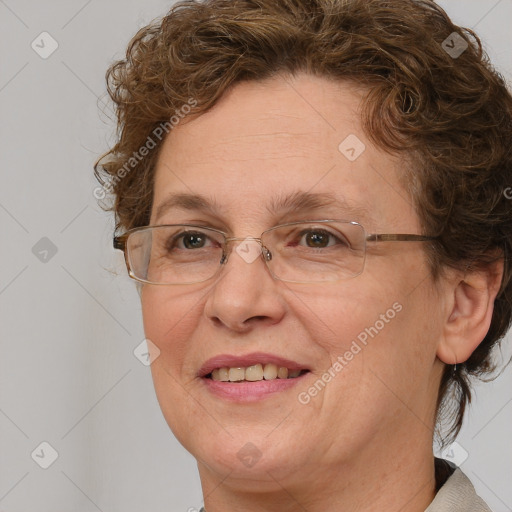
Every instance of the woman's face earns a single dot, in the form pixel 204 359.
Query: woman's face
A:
pixel 366 345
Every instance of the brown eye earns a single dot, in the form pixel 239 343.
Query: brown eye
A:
pixel 193 241
pixel 317 239
pixel 320 239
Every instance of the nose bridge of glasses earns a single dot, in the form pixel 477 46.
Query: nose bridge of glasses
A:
pixel 243 248
pixel 243 238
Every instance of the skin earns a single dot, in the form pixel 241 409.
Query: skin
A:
pixel 365 441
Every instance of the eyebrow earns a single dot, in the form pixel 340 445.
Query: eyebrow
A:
pixel 279 205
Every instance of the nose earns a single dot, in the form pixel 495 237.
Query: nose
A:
pixel 245 293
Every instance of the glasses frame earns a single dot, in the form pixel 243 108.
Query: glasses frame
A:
pixel 120 243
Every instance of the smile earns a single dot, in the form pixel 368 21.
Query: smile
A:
pixel 251 377
pixel 254 373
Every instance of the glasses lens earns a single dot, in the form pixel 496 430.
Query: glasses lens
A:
pixel 174 254
pixel 316 252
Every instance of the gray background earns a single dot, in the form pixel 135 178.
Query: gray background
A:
pixel 70 321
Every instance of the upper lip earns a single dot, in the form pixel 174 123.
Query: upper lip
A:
pixel 237 361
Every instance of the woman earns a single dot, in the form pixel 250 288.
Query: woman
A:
pixel 311 197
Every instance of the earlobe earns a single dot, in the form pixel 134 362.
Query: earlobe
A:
pixel 469 318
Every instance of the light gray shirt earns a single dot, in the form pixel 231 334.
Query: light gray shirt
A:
pixel 457 495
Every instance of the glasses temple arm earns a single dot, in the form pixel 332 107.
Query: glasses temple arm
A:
pixel 398 237
pixel 119 242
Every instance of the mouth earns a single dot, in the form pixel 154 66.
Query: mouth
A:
pixel 251 377
pixel 254 373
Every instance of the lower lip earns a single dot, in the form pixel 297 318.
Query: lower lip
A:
pixel 250 391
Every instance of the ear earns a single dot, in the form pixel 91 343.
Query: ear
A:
pixel 470 299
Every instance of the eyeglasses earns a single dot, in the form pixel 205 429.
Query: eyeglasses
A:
pixel 314 251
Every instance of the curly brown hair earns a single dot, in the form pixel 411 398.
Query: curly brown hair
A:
pixel 450 114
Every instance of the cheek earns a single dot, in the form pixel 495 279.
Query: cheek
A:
pixel 169 322
pixel 346 312
pixel 385 322
pixel 379 349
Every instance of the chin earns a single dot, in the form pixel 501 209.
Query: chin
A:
pixel 247 454
pixel 248 467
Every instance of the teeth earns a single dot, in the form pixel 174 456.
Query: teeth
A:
pixel 221 374
pixel 282 373
pixel 270 372
pixel 236 374
pixel 253 373
pixel 224 374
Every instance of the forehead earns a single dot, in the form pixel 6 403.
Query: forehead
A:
pixel 265 141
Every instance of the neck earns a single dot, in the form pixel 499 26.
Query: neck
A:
pixel 403 480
